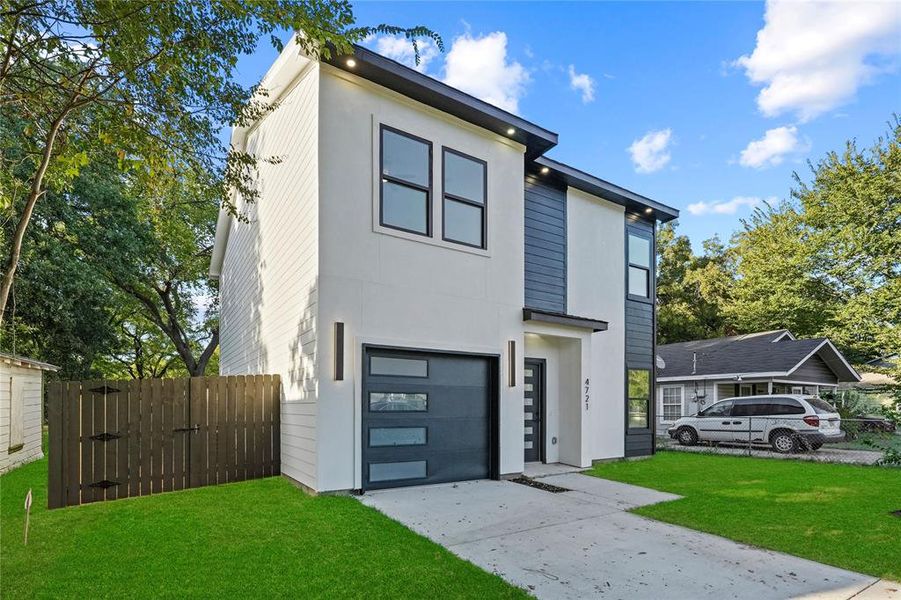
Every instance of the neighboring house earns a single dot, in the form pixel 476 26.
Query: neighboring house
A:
pixel 873 385
pixel 441 301
pixel 693 375
pixel 21 402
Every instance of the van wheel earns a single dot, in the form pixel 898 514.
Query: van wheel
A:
pixel 687 436
pixel 784 442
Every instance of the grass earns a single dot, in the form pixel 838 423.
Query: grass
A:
pixel 835 514
pixel 262 538
pixel 881 441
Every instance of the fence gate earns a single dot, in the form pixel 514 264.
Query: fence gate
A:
pixel 115 439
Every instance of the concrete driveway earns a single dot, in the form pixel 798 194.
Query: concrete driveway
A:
pixel 582 543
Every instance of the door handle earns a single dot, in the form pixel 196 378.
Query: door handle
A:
pixel 725 422
pixel 195 428
pixel 736 422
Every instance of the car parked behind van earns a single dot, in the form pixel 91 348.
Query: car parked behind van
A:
pixel 788 423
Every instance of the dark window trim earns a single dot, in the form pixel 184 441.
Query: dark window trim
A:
pixel 652 259
pixel 445 195
pixel 371 445
pixel 651 395
pixel 402 182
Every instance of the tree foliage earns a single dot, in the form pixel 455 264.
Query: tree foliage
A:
pixel 826 262
pixel 152 81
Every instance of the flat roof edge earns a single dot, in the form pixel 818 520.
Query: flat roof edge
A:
pixel 609 191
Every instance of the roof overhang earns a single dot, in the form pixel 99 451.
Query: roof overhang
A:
pixel 422 88
pixel 635 203
pixel 30 363
pixel 553 318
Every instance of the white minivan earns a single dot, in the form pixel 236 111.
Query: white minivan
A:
pixel 788 423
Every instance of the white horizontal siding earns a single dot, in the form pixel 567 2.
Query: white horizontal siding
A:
pixel 32 397
pixel 269 282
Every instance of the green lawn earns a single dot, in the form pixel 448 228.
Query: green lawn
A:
pixel 263 538
pixel 836 514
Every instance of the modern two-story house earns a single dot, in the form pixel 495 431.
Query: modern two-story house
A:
pixel 441 300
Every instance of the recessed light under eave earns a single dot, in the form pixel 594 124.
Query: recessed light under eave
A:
pixel 351 63
pixel 510 131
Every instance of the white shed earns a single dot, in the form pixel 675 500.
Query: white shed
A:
pixel 21 408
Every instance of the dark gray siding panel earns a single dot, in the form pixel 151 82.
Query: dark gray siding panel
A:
pixel 814 370
pixel 545 246
pixel 640 344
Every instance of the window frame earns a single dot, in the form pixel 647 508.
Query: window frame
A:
pixel 663 404
pixel 650 289
pixel 648 403
pixel 445 195
pixel 404 183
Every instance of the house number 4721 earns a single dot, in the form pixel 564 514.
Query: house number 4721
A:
pixel 587 387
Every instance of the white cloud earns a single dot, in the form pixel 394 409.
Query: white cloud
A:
pixel 772 148
pixel 400 49
pixel 581 82
pixel 729 207
pixel 479 66
pixel 813 56
pixel 651 153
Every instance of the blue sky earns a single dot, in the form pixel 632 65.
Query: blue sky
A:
pixel 656 97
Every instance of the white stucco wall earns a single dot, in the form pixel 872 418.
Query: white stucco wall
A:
pixel 23 385
pixel 269 280
pixel 596 289
pixel 394 289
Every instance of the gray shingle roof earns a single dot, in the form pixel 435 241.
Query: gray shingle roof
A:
pixel 745 354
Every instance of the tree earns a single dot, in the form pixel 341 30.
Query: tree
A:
pixel 151 80
pixel 690 289
pixel 776 282
pixel 852 211
pixel 828 263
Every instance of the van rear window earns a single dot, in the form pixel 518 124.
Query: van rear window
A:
pixel 820 406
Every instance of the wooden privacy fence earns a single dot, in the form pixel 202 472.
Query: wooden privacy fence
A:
pixel 115 439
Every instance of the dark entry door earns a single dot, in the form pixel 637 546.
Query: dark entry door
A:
pixel 425 418
pixel 533 407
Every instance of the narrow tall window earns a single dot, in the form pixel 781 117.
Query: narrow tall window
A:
pixel 465 182
pixel 406 182
pixel 639 398
pixel 639 265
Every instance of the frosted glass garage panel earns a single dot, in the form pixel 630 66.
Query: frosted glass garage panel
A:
pixel 397 436
pixel 398 367
pixel 395 471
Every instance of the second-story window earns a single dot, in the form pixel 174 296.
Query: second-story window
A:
pixel 639 265
pixel 465 182
pixel 406 182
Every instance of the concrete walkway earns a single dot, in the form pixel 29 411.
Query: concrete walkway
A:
pixel 582 543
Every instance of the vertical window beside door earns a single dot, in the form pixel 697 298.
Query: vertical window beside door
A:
pixel 639 398
pixel 406 181
pixel 639 265
pixel 465 182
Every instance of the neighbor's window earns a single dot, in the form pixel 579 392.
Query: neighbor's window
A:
pixel 639 398
pixel 465 198
pixel 406 182
pixel 639 265
pixel 672 402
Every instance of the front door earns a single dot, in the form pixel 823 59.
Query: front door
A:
pixel 533 408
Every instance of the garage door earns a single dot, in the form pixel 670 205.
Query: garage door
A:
pixel 425 418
